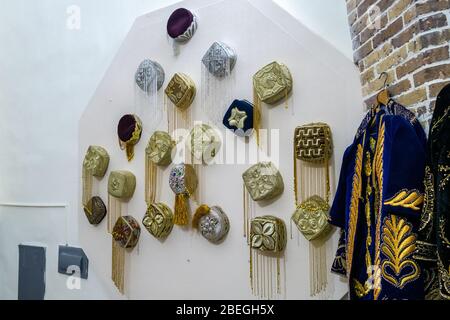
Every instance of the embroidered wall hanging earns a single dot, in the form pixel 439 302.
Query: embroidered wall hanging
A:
pixel 180 93
pixel 271 84
pixel 95 164
pixel 125 235
pixel 183 182
pixel 268 239
pixel 312 153
pixel 212 223
pixel 217 80
pixel 129 131
pixel 149 79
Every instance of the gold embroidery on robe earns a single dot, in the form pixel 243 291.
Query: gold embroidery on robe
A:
pixel 398 245
pixel 446 171
pixel 411 199
pixel 428 209
pixel 444 278
pixel 378 185
pixel 354 207
pixel 361 290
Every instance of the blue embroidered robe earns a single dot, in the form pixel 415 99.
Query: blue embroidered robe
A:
pixel 378 205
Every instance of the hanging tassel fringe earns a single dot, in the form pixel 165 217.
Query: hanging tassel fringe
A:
pixel 146 103
pixel 197 196
pixel 151 178
pixel 265 275
pixel 177 118
pixel 114 212
pixel 181 214
pixel 217 93
pixel 257 115
pixel 315 181
pixel 249 212
pixel 118 266
pixel 88 181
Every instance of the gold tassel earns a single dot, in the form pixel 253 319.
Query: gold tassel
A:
pixel 256 115
pixel 118 253
pixel 278 276
pixel 114 212
pixel 199 171
pixel 88 180
pixel 251 271
pixel 202 211
pixel 130 151
pixel 181 214
pixel 265 277
pixel 246 213
pixel 118 266
pixel 151 176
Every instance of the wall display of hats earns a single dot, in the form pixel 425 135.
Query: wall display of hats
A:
pixel 263 183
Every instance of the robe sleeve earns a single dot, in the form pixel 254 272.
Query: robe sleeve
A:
pixel 340 263
pixel 338 208
pixel 404 168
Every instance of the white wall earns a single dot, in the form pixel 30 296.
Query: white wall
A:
pixel 48 73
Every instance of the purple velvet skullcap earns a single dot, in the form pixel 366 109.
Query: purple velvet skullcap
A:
pixel 126 128
pixel 181 24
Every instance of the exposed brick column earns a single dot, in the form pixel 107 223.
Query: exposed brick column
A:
pixel 408 39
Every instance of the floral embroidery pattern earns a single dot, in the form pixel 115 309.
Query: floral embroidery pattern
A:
pixel 268 234
pixel 398 245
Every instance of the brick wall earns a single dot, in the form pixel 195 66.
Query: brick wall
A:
pixel 408 39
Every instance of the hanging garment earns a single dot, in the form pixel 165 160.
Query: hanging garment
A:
pixel 433 247
pixel 378 205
